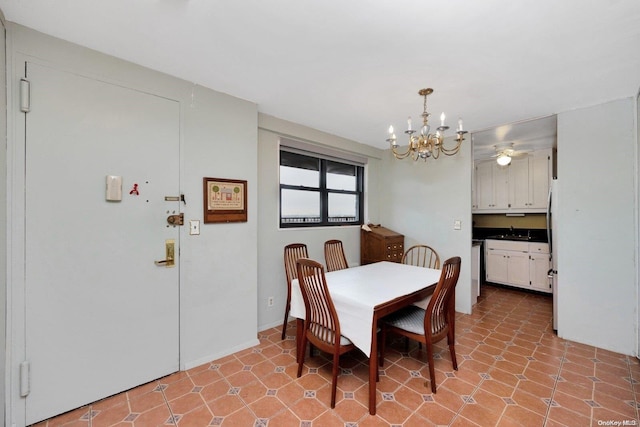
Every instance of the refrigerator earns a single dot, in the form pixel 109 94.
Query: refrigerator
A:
pixel 552 230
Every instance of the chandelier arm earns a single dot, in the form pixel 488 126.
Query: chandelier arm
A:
pixel 452 151
pixel 401 156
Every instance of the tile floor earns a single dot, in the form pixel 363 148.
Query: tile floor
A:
pixel 513 371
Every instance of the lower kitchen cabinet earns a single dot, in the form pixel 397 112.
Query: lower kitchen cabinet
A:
pixel 508 267
pixel 539 265
pixel 520 264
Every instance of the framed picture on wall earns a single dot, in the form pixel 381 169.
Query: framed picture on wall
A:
pixel 225 200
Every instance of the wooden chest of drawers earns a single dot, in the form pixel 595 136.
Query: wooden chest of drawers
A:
pixel 380 244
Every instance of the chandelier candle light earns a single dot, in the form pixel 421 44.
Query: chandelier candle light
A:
pixel 424 144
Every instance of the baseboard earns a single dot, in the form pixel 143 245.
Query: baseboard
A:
pixel 216 356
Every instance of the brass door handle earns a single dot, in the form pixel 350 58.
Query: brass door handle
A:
pixel 169 261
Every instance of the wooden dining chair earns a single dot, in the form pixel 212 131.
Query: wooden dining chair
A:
pixel 421 256
pixel 321 325
pixel 292 253
pixel 334 255
pixel 431 325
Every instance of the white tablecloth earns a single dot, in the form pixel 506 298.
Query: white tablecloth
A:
pixel 356 291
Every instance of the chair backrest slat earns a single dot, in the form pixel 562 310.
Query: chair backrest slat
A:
pixel 334 255
pixel 293 253
pixel 437 318
pixel 321 315
pixel 421 256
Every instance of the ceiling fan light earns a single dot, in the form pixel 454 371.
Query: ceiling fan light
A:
pixel 503 160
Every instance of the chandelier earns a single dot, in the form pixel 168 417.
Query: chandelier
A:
pixel 424 144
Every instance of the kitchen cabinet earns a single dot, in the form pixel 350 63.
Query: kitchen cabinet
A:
pixel 519 183
pixel 491 182
pixel 508 263
pixel 540 175
pixel 539 265
pixel 380 244
pixel 520 264
pixel 520 187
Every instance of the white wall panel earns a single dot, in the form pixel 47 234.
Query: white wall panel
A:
pixel 597 226
pixel 423 199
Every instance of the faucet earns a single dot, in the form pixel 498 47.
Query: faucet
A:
pixel 512 232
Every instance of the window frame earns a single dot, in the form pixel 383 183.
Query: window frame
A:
pixel 322 189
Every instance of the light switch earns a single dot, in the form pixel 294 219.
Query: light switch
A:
pixel 456 224
pixel 194 227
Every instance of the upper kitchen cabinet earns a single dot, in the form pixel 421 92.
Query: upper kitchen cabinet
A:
pixel 520 187
pixel 523 185
pixel 540 176
pixel 491 181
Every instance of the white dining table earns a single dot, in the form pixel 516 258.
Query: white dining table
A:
pixel 364 294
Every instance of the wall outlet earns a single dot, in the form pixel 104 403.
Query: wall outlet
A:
pixel 457 224
pixel 270 302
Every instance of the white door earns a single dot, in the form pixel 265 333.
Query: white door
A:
pixel 497 266
pixel 101 317
pixel 519 183
pixel 484 185
pixel 538 270
pixel 500 186
pixel 518 270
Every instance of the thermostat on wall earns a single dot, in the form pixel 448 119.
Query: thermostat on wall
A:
pixel 114 188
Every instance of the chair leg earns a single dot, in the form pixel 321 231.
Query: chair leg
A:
pixel 452 349
pixel 301 352
pixel 432 371
pixel 381 345
pixel 286 319
pixel 334 380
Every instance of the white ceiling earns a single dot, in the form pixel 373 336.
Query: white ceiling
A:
pixel 353 67
pixel 522 137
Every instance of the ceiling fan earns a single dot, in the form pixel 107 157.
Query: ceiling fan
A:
pixel 505 152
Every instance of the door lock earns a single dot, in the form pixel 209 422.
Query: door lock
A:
pixel 169 248
pixel 176 219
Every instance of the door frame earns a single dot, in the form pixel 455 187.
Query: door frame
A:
pixel 15 341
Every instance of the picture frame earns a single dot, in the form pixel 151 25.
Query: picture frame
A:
pixel 225 200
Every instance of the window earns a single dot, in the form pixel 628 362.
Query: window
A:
pixel 318 190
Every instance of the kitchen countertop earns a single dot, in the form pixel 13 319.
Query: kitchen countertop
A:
pixel 517 234
pixel 517 238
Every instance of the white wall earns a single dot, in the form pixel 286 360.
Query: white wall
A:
pixel 272 239
pixel 3 215
pixel 422 199
pixel 218 271
pixel 218 268
pixel 597 216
